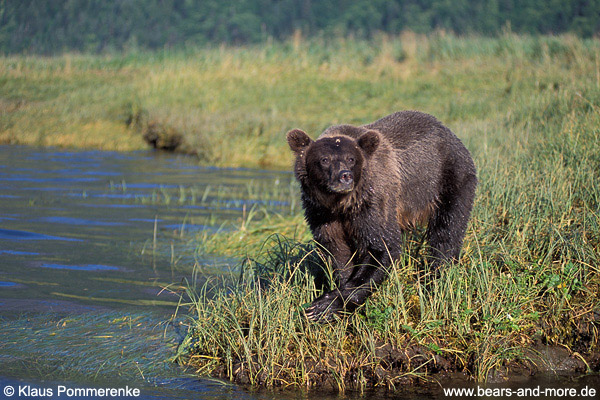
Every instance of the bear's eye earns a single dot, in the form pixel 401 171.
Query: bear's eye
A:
pixel 350 160
pixel 325 160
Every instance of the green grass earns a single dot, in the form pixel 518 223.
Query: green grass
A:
pixel 233 105
pixel 529 111
pixel 479 317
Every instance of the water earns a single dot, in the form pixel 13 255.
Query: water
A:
pixel 88 242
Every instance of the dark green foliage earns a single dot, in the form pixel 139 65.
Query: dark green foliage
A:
pixel 41 26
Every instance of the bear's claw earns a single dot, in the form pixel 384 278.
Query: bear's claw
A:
pixel 325 308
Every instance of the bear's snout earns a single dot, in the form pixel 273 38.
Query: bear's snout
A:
pixel 343 183
pixel 346 177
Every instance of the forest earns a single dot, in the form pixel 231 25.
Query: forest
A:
pixel 97 26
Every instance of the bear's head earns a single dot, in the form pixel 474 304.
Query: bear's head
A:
pixel 332 164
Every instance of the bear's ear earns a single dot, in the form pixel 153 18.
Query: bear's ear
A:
pixel 298 140
pixel 369 141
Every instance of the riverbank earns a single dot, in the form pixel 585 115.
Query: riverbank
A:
pixel 485 320
pixel 231 106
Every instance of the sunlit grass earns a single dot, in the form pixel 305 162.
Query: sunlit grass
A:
pixel 528 275
pixel 478 317
pixel 233 105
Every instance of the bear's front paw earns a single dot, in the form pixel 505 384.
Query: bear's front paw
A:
pixel 326 307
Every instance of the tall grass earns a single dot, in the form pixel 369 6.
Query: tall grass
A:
pixel 477 317
pixel 232 105
pixel 529 110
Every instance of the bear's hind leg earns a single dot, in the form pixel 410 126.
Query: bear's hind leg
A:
pixel 448 224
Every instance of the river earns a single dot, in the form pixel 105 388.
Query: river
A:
pixel 88 242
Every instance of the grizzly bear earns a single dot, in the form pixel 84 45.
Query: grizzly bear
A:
pixel 363 186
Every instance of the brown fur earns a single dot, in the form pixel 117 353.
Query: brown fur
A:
pixel 362 186
pixel 411 219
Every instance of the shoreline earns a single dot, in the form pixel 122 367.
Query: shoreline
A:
pixel 394 370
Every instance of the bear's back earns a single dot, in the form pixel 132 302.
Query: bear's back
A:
pixel 414 152
pixel 402 129
pixel 343 130
pixel 418 136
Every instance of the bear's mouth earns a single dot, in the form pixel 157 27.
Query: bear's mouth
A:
pixel 341 187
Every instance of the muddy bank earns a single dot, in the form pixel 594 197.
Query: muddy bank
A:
pixel 411 365
pixel 416 365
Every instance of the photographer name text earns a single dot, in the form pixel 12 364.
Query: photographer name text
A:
pixel 28 391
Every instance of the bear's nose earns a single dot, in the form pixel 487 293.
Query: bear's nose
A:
pixel 346 177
